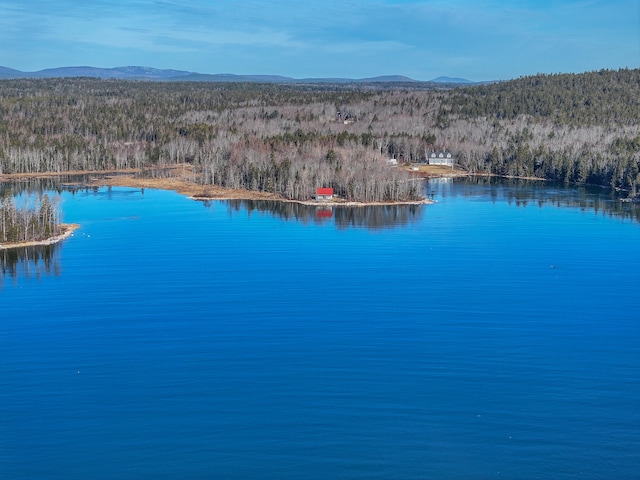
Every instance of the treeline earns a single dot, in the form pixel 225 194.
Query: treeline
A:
pixel 287 139
pixel 37 221
pixel 587 99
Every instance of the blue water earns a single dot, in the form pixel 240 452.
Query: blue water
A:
pixel 494 334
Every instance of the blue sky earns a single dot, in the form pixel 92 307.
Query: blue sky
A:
pixel 422 39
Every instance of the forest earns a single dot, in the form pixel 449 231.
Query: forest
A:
pixel 290 139
pixel 38 219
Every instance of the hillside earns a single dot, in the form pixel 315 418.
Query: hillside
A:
pixel 577 128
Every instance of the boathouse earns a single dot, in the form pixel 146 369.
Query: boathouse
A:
pixel 324 194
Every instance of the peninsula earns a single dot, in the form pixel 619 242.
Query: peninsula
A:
pixel 197 191
pixel 67 231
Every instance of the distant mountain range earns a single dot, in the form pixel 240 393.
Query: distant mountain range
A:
pixel 154 74
pixel 451 80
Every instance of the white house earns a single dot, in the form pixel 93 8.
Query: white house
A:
pixel 441 158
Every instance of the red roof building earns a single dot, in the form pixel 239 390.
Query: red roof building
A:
pixel 324 193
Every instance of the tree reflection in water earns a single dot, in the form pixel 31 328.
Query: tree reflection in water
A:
pixel 29 262
pixel 371 217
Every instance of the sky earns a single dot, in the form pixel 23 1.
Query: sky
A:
pixel 421 39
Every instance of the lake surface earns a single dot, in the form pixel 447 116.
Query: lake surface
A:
pixel 494 334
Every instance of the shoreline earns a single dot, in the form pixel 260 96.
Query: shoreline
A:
pixel 69 228
pixel 195 191
pixel 212 192
pixel 177 183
